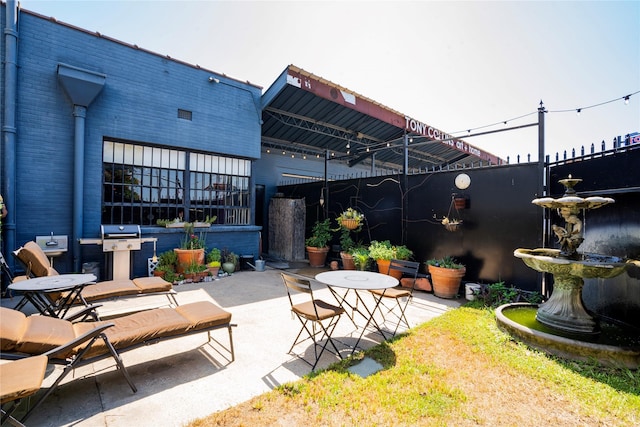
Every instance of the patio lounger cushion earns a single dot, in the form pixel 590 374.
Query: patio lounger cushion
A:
pixel 109 288
pixel 21 378
pixel 37 265
pixel 152 284
pixel 12 328
pixel 39 334
pixel 35 260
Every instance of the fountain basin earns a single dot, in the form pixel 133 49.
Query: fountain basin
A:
pixel 591 266
pixel 583 348
pixel 564 310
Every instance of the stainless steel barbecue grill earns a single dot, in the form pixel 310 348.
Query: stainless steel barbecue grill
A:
pixel 119 241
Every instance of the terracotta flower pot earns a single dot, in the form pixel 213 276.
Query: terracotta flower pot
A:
pixel 188 256
pixel 446 281
pixel 317 256
pixel 350 224
pixel 383 267
pixel 347 261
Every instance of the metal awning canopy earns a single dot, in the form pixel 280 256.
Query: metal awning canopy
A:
pixel 308 115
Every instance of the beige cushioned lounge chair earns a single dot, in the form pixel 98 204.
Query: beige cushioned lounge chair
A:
pixel 20 379
pixel 37 264
pixel 75 344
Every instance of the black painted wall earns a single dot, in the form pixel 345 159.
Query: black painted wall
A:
pixel 500 218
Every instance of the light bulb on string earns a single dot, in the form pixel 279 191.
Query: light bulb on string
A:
pixel 578 111
pixel 626 99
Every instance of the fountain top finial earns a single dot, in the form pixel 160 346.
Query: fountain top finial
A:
pixel 569 183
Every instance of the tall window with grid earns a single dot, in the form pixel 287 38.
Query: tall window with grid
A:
pixel 142 184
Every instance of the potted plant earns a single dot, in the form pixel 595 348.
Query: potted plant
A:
pixel 402 252
pixel 230 261
pixel 317 244
pixel 382 252
pixel 446 275
pixel 361 258
pixel 346 246
pixel 166 262
pixel 214 257
pixel 351 219
pixel 191 248
pixel 195 272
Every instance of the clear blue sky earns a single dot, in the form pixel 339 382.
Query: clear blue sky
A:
pixel 453 65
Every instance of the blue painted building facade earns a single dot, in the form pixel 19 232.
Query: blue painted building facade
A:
pixel 142 100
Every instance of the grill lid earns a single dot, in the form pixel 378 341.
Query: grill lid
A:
pixel 120 231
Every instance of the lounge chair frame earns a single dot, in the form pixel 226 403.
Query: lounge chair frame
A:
pixel 36 264
pixel 60 355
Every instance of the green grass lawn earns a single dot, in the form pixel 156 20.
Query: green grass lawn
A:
pixel 458 369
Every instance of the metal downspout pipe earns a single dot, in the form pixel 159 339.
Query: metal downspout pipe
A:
pixel 79 116
pixel 82 86
pixel 8 156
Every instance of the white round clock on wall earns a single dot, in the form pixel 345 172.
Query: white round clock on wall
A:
pixel 463 181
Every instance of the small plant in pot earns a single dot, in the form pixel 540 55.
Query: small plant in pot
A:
pixel 317 244
pixel 361 257
pixel 214 256
pixel 195 271
pixel 167 261
pixel 446 276
pixel 162 269
pixel 346 247
pixel 349 221
pixel 382 252
pixel 230 261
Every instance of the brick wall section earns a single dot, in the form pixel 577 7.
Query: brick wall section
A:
pixel 139 102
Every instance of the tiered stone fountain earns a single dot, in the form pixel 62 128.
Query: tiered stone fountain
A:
pixel 562 325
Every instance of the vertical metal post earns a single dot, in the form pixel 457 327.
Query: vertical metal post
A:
pixel 404 187
pixel 542 182
pixel 326 186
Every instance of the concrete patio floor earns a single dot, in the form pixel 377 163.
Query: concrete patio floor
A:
pixel 186 378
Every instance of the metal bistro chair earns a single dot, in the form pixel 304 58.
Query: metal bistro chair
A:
pixel 314 311
pixel 401 295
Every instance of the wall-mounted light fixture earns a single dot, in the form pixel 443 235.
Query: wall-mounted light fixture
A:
pixel 213 80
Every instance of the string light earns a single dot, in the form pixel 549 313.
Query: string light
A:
pixel 625 98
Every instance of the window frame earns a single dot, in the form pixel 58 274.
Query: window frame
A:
pixel 143 183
